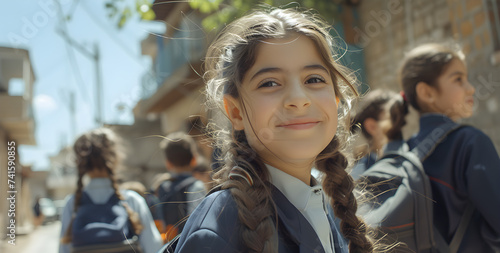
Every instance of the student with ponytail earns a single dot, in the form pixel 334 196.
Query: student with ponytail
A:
pixel 124 214
pixel 283 100
pixel 380 117
pixel 464 169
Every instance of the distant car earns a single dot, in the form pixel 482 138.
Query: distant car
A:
pixel 48 209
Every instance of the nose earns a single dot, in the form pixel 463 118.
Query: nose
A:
pixel 297 96
pixel 470 88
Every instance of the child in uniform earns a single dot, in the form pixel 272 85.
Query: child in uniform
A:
pixel 272 73
pixel 465 168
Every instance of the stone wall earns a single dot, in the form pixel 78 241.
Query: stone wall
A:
pixel 386 29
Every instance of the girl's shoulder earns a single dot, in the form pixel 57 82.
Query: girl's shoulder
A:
pixel 216 208
pixel 132 196
pixel 471 136
pixel 212 225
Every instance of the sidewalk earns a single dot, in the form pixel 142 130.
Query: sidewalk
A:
pixel 43 239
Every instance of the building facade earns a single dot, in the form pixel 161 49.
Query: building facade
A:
pixel 17 128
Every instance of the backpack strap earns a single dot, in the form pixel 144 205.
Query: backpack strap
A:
pixel 433 139
pixel 423 150
pixel 454 245
pixel 172 186
pixel 184 184
pixel 462 228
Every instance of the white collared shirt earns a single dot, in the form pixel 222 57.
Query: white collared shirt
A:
pixel 309 200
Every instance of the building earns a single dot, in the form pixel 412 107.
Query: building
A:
pixel 173 92
pixel 17 127
pixel 143 157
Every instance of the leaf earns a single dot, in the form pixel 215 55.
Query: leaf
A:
pixel 149 15
pixel 125 15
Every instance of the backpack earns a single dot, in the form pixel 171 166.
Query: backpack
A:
pixel 402 203
pixel 173 200
pixel 103 227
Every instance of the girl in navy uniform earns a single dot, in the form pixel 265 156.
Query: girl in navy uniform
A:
pixel 465 168
pixel 273 75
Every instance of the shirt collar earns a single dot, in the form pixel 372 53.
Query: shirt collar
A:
pixel 296 191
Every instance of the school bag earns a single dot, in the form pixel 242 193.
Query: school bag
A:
pixel 100 228
pixel 402 203
pixel 173 199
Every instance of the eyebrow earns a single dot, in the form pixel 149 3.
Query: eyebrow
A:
pixel 459 73
pixel 270 70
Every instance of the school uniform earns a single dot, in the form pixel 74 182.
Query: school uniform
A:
pixel 100 190
pixel 303 224
pixel 363 164
pixel 464 167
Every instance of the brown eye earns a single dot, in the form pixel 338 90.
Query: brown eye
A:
pixel 269 84
pixel 315 79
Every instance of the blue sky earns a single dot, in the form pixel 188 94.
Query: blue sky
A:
pixel 33 25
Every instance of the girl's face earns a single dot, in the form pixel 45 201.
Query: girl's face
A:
pixel 454 96
pixel 288 106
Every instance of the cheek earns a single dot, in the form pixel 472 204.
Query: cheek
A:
pixel 329 105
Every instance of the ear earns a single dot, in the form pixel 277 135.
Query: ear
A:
pixel 234 112
pixel 426 93
pixel 193 162
pixel 371 126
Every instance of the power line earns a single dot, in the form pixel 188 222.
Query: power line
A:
pixel 71 55
pixel 108 32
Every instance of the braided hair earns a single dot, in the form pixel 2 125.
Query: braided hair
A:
pixel 98 150
pixel 228 58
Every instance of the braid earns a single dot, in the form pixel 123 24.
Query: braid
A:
pixel 132 216
pixel 255 205
pixel 339 186
pixel 97 150
pixel 77 198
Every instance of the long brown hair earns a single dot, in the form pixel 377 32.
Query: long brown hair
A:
pixel 98 149
pixel 425 63
pixel 228 58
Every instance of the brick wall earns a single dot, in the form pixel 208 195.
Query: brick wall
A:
pixel 389 28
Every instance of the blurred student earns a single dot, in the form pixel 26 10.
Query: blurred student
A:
pixel 380 117
pixel 150 198
pixel 99 216
pixel 203 172
pixel 181 193
pixel 464 169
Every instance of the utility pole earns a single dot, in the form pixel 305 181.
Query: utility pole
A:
pixel 94 55
pixel 72 110
pixel 98 89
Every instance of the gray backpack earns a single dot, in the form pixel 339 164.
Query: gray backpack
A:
pixel 402 203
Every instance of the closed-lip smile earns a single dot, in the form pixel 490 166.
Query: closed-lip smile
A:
pixel 299 124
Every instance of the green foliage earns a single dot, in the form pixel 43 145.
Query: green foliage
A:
pixel 220 12
pixel 122 11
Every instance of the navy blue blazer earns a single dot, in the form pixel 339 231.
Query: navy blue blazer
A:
pixel 464 167
pixel 214 227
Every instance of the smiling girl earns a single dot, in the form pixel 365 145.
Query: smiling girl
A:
pixel 273 75
pixel 464 169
